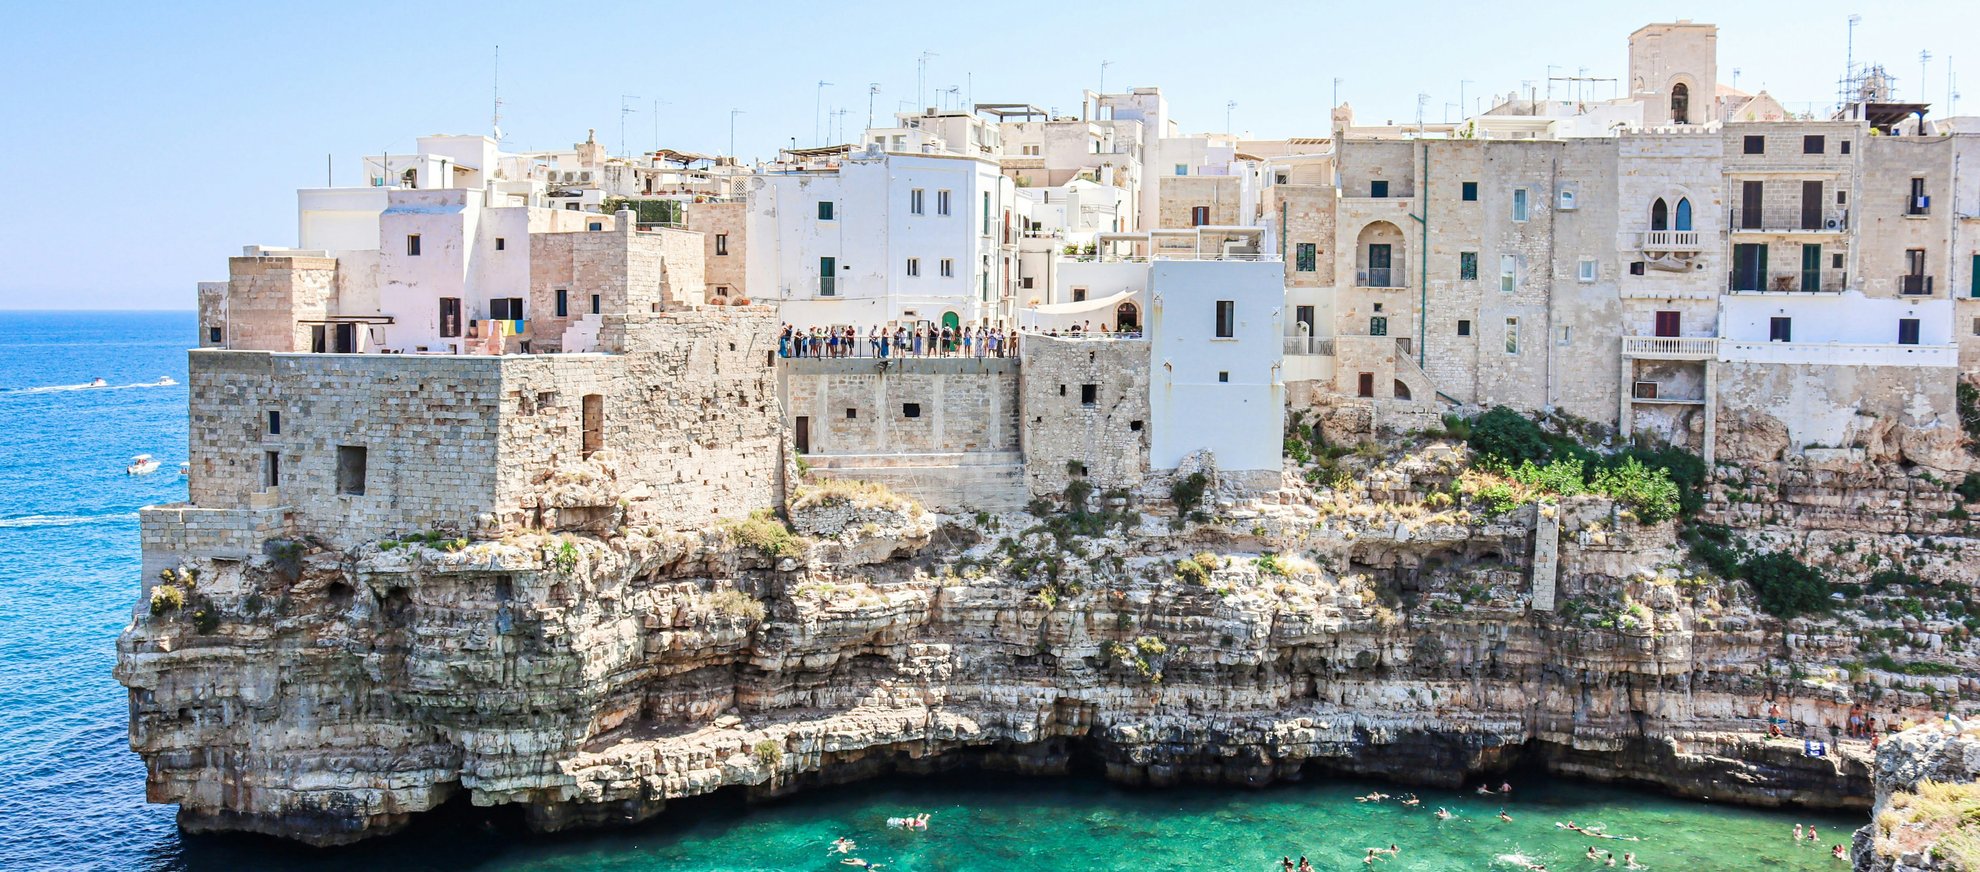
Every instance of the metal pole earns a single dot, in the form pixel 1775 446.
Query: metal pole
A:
pixel 817 108
pixel 732 133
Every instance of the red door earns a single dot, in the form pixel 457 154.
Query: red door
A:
pixel 1667 323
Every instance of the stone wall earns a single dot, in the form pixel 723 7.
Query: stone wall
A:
pixel 267 296
pixel 1180 194
pixel 1109 436
pixel 723 271
pixel 631 272
pixel 1773 408
pixel 860 405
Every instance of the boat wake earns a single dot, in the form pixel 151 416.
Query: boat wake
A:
pixel 92 386
pixel 32 521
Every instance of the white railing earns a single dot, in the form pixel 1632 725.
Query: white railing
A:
pixel 1671 240
pixel 1670 346
pixel 1309 346
pixel 1839 353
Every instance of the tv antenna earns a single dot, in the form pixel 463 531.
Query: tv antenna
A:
pixel 1103 75
pixel 872 91
pixel 732 133
pixel 817 110
pixel 1924 60
pixel 1228 107
pixel 625 109
pixel 921 80
pixel 656 121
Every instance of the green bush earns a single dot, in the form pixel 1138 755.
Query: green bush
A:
pixel 1683 468
pixel 1192 572
pixel 736 605
pixel 1562 477
pixel 1968 398
pixel 769 752
pixel 763 531
pixel 1786 586
pixel 1499 498
pixel 1187 491
pixel 1508 438
pixel 166 598
pixel 1969 488
pixel 1650 493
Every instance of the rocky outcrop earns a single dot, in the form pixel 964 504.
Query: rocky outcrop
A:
pixel 1927 811
pixel 327 696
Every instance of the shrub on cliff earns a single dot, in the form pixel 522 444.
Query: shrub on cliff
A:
pixel 763 531
pixel 1785 586
pixel 1187 491
pixel 769 752
pixel 1507 438
pixel 166 598
pixel 736 605
pixel 1650 493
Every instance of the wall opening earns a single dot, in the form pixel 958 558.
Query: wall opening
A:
pixel 350 470
pixel 594 423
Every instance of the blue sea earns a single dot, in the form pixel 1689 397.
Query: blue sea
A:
pixel 72 793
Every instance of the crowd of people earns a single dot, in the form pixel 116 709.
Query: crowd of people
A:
pixel 923 340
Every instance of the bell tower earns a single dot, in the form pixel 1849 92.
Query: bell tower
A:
pixel 1674 72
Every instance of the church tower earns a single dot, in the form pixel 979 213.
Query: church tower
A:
pixel 1674 72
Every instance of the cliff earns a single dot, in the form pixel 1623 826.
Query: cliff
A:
pixel 1927 811
pixel 329 695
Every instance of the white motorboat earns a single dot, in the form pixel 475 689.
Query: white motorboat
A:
pixel 141 465
pixel 98 383
pixel 185 468
pixel 165 381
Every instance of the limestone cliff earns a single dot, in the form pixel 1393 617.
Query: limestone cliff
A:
pixel 1927 811
pixel 590 677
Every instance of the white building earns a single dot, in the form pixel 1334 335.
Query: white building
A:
pixel 1214 380
pixel 882 238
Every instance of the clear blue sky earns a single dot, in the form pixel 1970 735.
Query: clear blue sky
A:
pixel 148 141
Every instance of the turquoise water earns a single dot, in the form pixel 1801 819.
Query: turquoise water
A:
pixel 73 795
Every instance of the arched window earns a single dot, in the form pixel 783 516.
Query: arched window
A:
pixel 1660 215
pixel 1684 214
pixel 1127 318
pixel 1680 104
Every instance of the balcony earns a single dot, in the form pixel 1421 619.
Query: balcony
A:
pixel 1919 206
pixel 828 285
pixel 1671 240
pixel 1913 285
pixel 1309 346
pixel 1787 219
pixel 1671 347
pixel 1790 282
pixel 1380 277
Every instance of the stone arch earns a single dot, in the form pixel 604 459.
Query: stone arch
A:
pixel 1127 318
pixel 1681 220
pixel 1380 256
pixel 1680 103
pixel 1402 390
pixel 1660 215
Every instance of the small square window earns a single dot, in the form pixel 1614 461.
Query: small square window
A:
pixel 1586 270
pixel 1464 327
pixel 1845 146
pixel 1636 267
pixel 825 210
pixel 501 244
pixel 1378 188
pixel 910 410
pixel 412 245
pixel 213 334
pixel 1089 394
pixel 1136 425
pixel 1470 192
pixel 1755 145
pixel 596 225
pixel 852 414
pixel 1813 144
pixel 1223 376
pixel 1835 261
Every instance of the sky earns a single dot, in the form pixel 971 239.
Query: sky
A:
pixel 174 134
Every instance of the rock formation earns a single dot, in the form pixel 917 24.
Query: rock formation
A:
pixel 591 676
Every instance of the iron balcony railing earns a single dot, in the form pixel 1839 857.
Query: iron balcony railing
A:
pixel 1380 277
pixel 1911 284
pixel 1309 346
pixel 1788 281
pixel 1788 219
pixel 828 285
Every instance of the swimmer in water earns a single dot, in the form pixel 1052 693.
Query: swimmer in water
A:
pixel 1811 834
pixel 1797 832
pixel 1505 817
pixel 1484 791
pixel 1286 863
pixel 1838 853
pixel 1305 866
pixel 1505 788
pixel 1412 801
pixel 1443 814
pixel 1629 861
pixel 1393 850
pixel 842 845
pixel 1591 853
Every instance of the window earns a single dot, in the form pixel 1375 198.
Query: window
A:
pixel 1512 335
pixel 1813 144
pixel 1973 290
pixel 1079 295
pixel 1585 270
pixel 1755 145
pixel 1683 214
pixel 1378 188
pixel 346 339
pixel 852 414
pixel 1464 327
pixel 1365 385
pixel 1907 331
pixel 563 303
pixel 948 268
pixel 450 316
pixel 1470 191
pixel 501 244
pixel 1519 204
pixel 506 308
pixel 986 213
pixel 1508 272
pixel 213 333
pixel 824 210
pixel 941 202
pixel 910 410
pixel 1680 103
pixel 721 245
pixel 412 245
pixel 1026 283
pixel 570 207
pixel 1467 266
pixel 350 470
pixel 595 225
pixel 1199 216
pixel 914 201
pixel 1835 261
pixel 593 424
pixel 1305 257
pixel 1281 179
pixel 1636 267
pixel 271 469
pixel 914 267
pixel 1976 326
pixel 1378 325
pixel 1089 395
pixel 1667 323
pixel 595 301
pixel 1182 169
pixel 1226 319
pixel 1780 329
pixel 1918 203
pixel 1136 425
pixel 1223 376
pixel 274 423
pixel 828 276
pixel 1845 147
pixel 1567 336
